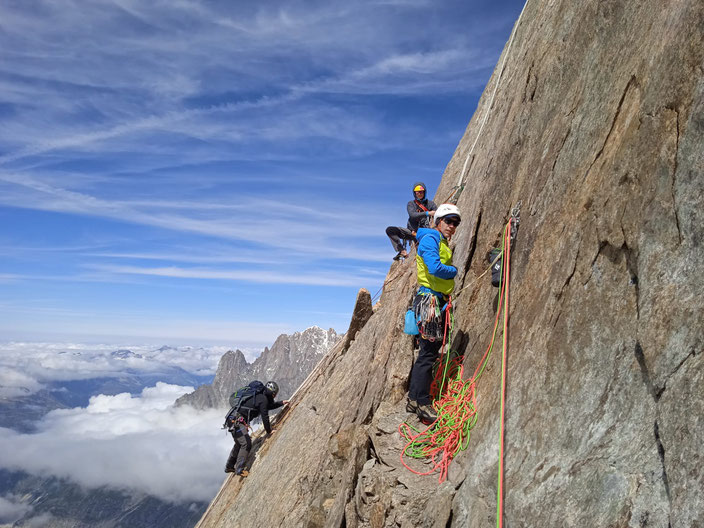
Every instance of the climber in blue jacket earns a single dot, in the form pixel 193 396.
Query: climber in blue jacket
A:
pixel 435 283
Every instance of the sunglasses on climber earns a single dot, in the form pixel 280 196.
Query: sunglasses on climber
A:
pixel 451 220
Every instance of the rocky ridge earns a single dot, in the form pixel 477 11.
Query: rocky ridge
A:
pixel 288 362
pixel 598 129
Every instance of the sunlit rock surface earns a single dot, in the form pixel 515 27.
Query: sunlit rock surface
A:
pixel 598 129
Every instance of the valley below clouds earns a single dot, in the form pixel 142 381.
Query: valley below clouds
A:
pixel 131 440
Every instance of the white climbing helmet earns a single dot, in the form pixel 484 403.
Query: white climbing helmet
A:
pixel 447 210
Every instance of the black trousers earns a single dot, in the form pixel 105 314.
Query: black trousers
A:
pixel 240 451
pixel 397 235
pixel 422 371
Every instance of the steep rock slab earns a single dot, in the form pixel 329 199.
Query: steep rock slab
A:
pixel 597 128
pixel 311 464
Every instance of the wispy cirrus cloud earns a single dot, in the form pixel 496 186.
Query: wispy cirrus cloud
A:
pixel 318 279
pixel 407 74
pixel 194 143
pixel 324 47
pixel 306 229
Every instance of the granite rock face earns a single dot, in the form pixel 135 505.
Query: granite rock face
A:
pixel 597 129
pixel 288 362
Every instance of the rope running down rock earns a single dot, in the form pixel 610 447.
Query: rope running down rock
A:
pixel 455 398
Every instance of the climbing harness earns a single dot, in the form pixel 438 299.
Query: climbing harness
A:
pixel 455 399
pixel 429 310
pixel 424 221
pixel 232 423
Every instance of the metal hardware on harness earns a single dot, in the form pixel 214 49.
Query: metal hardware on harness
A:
pixel 231 425
pixel 516 215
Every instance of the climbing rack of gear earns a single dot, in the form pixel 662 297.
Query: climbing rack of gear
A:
pixel 455 399
pixel 429 316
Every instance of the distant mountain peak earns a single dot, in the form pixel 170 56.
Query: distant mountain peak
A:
pixel 288 362
pixel 125 354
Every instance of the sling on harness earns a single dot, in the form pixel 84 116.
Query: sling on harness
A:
pixel 429 310
pixel 421 206
pixel 237 401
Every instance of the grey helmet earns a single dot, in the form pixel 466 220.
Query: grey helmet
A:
pixel 272 387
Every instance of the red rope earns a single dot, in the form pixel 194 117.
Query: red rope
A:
pixel 455 399
pixel 441 440
pixel 455 403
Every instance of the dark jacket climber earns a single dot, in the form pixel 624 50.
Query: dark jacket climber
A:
pixel 435 280
pixel 258 405
pixel 420 210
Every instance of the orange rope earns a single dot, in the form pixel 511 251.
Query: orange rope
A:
pixel 455 399
pixel 506 278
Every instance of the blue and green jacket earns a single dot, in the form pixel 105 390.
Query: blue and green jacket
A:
pixel 434 263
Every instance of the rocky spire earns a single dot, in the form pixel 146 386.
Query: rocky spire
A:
pixel 288 362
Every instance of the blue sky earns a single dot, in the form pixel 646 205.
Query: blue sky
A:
pixel 220 172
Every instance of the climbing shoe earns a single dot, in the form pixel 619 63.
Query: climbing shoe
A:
pixel 244 473
pixel 229 470
pixel 426 414
pixel 411 406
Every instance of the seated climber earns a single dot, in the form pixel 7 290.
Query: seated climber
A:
pixel 257 404
pixel 420 210
pixel 436 281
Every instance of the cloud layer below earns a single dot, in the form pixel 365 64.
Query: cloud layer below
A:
pixel 133 443
pixel 28 367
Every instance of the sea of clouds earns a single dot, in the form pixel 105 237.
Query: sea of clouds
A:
pixel 27 367
pixel 129 442
pixel 126 442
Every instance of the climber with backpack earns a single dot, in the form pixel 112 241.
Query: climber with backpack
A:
pixel 435 283
pixel 420 211
pixel 246 404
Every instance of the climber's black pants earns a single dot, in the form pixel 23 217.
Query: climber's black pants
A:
pixel 422 371
pixel 240 451
pixel 397 235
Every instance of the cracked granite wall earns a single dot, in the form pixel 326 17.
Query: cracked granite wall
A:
pixel 598 129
